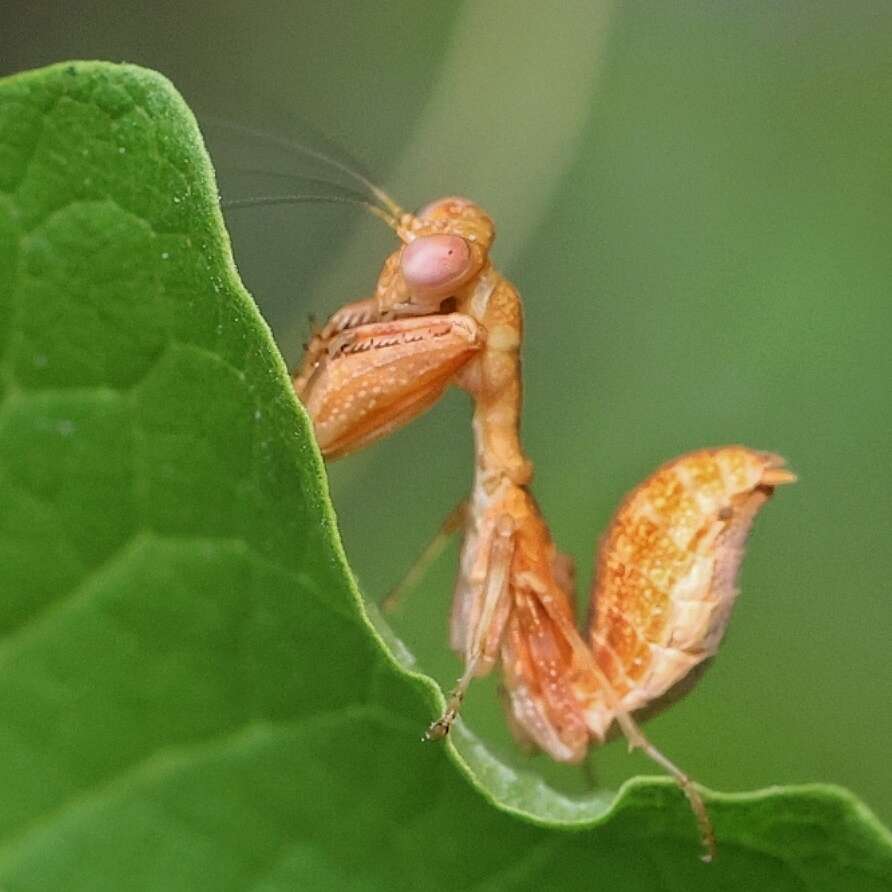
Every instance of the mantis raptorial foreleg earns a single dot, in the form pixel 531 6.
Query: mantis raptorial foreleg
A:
pixel 368 380
pixel 359 312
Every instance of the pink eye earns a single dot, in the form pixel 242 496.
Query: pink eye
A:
pixel 433 264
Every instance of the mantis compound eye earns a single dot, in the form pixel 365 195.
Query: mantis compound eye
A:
pixel 433 265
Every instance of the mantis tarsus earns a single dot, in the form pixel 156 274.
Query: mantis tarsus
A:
pixel 441 315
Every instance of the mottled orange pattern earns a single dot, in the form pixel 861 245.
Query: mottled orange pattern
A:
pixel 661 599
pixel 665 577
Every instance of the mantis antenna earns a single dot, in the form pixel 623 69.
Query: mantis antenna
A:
pixel 293 145
pixel 324 196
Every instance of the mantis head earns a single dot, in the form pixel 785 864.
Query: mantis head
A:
pixel 446 245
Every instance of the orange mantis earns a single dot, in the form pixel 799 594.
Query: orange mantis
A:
pixel 442 315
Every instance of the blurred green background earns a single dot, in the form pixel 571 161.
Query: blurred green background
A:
pixel 694 199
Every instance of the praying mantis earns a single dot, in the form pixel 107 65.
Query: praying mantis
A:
pixel 441 315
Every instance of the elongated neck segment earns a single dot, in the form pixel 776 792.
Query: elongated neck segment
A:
pixel 494 381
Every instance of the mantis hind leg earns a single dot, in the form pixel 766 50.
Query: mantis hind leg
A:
pixel 637 740
pixel 629 727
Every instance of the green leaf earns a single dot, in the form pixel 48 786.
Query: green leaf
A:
pixel 191 692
